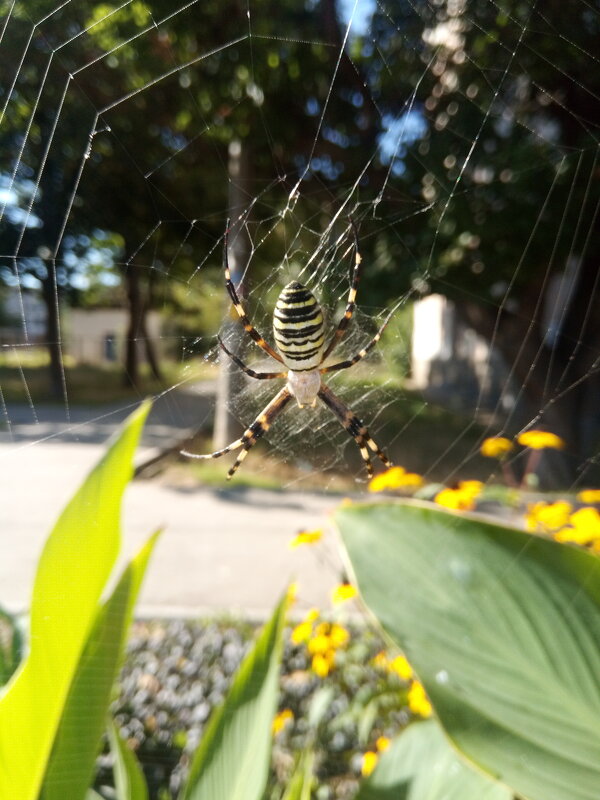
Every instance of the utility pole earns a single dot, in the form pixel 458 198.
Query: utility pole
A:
pixel 230 380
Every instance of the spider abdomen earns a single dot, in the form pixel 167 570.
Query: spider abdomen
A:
pixel 299 328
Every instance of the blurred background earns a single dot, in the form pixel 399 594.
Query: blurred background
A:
pixel 462 140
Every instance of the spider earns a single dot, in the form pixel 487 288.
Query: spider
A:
pixel 299 331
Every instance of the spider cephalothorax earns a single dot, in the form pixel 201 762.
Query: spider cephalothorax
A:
pixel 299 330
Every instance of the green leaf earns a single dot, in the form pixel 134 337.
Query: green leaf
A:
pixel 232 761
pixel 129 778
pixel 421 765
pixel 319 706
pixel 301 783
pixel 502 627
pixel 72 572
pixel 73 758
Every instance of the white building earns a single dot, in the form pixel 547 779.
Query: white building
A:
pixel 97 335
pixel 451 363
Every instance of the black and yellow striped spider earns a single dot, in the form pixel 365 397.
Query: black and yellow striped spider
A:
pixel 299 330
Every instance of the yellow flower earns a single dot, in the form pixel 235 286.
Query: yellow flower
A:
pixel 401 667
pixel 462 498
pixel 323 662
pixel 548 516
pixel 369 762
pixel 338 636
pixel 386 480
pixel 306 537
pixel 395 478
pixel 451 498
pixel 585 527
pixel 495 447
pixel 301 633
pixel 417 700
pixel 539 440
pixel 342 593
pixel 382 744
pixel 410 480
pixel 380 660
pixel 319 644
pixel 472 488
pixel 282 719
pixel 328 637
pixel 589 496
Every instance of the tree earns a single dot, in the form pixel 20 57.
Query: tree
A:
pixel 508 168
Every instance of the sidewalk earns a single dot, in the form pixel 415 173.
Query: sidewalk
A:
pixel 221 550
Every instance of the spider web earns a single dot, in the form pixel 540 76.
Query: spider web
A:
pixel 78 75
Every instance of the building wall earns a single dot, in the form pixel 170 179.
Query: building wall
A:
pixel 96 336
pixel 453 365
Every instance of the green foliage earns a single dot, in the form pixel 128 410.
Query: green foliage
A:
pixel 421 764
pixel 302 781
pixel 129 778
pixel 337 717
pixel 233 758
pixel 72 761
pixel 52 708
pixel 503 629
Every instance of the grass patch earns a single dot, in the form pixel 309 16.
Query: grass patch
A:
pixel 24 376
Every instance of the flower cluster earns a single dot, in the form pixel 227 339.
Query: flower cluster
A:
pixel 559 520
pixel 322 640
pixel 416 698
pixel 371 757
pixel 500 446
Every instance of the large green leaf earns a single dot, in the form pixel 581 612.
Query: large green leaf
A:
pixel 130 783
pixel 421 765
pixel 503 628
pixel 232 761
pixel 72 761
pixel 72 572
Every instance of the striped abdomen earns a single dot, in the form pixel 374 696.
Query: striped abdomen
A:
pixel 299 328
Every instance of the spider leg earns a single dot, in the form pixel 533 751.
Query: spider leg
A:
pixel 362 353
pixel 251 435
pixel 259 375
pixel 351 303
pixel 248 326
pixel 356 429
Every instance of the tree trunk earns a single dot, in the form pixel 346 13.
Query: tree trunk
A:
pixel 46 243
pixel 226 425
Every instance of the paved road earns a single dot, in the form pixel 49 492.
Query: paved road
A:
pixel 221 550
